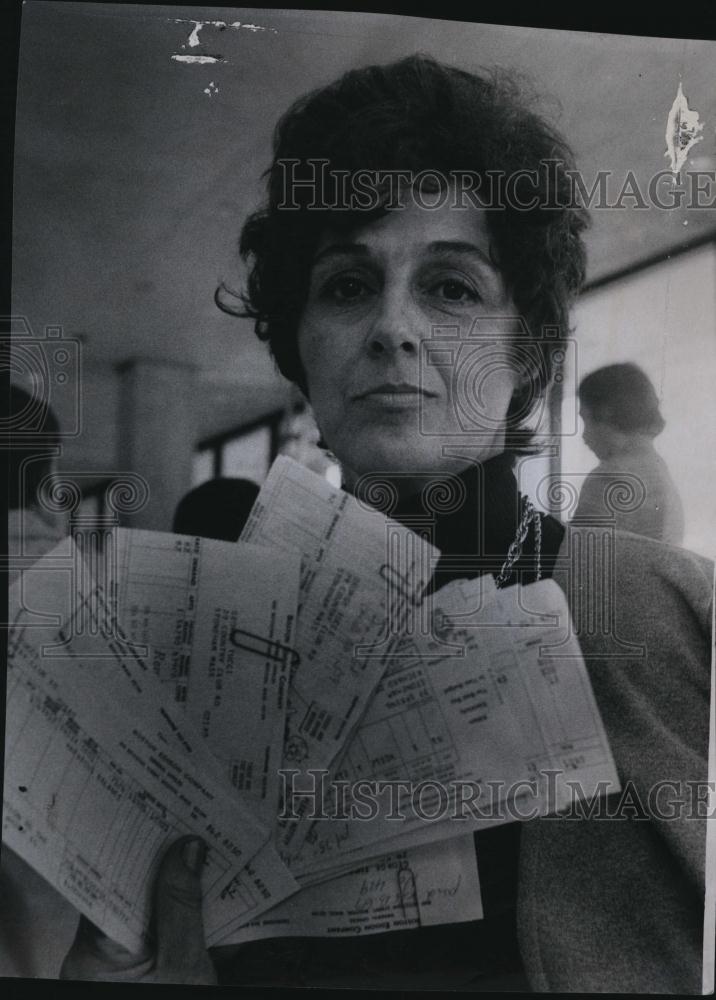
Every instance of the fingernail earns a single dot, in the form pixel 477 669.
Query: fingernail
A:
pixel 193 854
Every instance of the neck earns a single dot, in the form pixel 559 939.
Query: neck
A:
pixel 403 487
pixel 406 486
pixel 466 510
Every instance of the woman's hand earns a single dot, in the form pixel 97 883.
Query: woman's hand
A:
pixel 180 955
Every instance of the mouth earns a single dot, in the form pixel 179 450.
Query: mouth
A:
pixel 394 390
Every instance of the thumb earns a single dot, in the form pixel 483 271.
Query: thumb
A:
pixel 181 955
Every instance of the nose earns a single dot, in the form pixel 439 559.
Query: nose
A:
pixel 396 327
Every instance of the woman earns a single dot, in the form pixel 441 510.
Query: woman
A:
pixel 410 311
pixel 620 411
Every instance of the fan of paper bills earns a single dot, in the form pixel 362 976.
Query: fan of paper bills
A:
pixel 333 734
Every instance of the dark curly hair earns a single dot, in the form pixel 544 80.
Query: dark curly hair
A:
pixel 417 114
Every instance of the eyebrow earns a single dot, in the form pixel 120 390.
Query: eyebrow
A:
pixel 443 248
pixel 342 250
pixel 438 248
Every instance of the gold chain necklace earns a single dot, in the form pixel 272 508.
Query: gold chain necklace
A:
pixel 530 515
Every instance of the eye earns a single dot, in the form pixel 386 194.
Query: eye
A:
pixel 454 290
pixel 345 288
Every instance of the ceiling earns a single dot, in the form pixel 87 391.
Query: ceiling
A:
pixel 134 169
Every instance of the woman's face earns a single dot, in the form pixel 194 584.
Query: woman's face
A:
pixel 393 374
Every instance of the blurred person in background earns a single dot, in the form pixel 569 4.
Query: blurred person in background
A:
pixel 631 484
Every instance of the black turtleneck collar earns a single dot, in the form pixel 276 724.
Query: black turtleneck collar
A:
pixel 473 519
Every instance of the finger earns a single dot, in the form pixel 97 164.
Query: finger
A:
pixel 182 956
pixel 95 956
